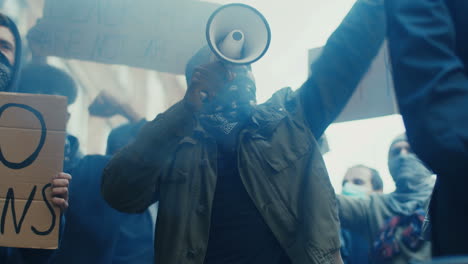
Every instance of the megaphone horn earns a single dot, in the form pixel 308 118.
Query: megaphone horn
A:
pixel 238 34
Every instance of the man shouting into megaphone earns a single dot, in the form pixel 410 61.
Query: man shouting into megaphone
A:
pixel 239 182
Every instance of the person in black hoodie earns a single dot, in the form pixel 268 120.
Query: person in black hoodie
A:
pixel 39 78
pixel 10 65
pixel 95 232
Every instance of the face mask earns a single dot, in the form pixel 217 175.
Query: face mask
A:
pixel 5 73
pixel 353 190
pixel 233 105
pixel 407 170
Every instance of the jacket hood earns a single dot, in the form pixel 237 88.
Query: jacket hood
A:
pixel 8 22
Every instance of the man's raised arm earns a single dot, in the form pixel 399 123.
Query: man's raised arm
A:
pixel 343 62
pixel 130 182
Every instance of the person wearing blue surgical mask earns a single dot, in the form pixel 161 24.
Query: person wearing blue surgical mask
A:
pixel 392 223
pixel 359 182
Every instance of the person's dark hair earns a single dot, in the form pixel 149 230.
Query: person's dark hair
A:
pixel 376 180
pixel 46 79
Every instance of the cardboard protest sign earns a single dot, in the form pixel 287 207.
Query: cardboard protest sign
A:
pixel 32 138
pixel 160 35
pixel 375 95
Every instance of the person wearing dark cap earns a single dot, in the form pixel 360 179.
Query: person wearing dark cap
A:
pixel 392 223
pixel 239 182
pixel 10 65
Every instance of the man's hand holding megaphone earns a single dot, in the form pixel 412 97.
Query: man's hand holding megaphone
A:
pixel 237 35
pixel 207 81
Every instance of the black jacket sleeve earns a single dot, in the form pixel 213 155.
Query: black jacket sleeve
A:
pixel 130 182
pixel 343 62
pixel 430 81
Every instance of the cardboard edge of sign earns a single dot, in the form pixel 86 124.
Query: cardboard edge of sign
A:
pixel 377 82
pixel 41 214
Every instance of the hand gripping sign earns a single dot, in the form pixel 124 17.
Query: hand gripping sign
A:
pixel 32 138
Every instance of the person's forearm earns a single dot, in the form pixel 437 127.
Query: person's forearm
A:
pixel 131 180
pixel 352 212
pixel 130 114
pixel 343 62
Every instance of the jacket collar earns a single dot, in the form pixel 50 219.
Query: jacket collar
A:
pixel 261 124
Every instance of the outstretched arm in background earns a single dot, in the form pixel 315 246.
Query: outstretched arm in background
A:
pixel 344 60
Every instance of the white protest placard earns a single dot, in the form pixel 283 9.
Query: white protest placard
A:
pixel 375 95
pixel 154 34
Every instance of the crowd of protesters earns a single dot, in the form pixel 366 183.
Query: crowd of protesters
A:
pixel 236 182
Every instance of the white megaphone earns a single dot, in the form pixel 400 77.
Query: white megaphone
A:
pixel 238 34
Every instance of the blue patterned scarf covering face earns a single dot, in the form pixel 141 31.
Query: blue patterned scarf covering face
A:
pixel 233 105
